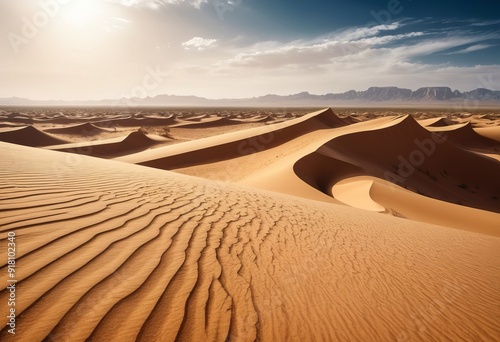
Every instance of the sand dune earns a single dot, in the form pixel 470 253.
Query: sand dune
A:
pixel 375 194
pixel 10 125
pixel 112 148
pixel 29 136
pixel 356 193
pixel 420 161
pixel 492 133
pixel 436 122
pixel 86 129
pixel 208 123
pixel 16 118
pixel 116 252
pixel 235 144
pixel 465 136
pixel 137 122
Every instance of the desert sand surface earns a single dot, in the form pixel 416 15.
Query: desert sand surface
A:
pixel 252 224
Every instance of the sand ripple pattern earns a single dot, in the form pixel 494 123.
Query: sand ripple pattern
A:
pixel 114 252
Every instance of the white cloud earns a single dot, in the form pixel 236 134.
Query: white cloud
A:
pixel 368 31
pixel 307 53
pixel 486 23
pixel 198 43
pixel 471 48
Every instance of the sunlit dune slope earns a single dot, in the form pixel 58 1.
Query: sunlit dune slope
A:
pixel 109 251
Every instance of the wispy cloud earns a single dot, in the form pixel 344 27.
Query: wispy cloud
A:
pixel 367 31
pixel 314 53
pixel 198 43
pixel 365 45
pixel 486 23
pixel 471 48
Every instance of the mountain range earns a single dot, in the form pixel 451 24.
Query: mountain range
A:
pixel 373 95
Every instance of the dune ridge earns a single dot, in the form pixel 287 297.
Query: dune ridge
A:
pixel 436 122
pixel 465 136
pixel 234 145
pixel 120 252
pixel 86 129
pixel 112 148
pixel 29 136
pixel 137 122
pixel 208 123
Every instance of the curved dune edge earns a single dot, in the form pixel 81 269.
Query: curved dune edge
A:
pixel 117 252
pixel 492 133
pixel 436 122
pixel 355 192
pixel 375 194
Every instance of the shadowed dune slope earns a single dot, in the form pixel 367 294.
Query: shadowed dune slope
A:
pixel 29 136
pixel 86 129
pixel 407 154
pixel 132 143
pixel 109 251
pixel 436 122
pixel 465 136
pixel 233 145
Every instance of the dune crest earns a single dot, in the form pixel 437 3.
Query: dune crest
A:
pixel 86 129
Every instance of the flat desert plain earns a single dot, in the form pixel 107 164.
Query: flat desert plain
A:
pixel 246 224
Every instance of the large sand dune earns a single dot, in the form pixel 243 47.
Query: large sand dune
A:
pixel 86 129
pixel 421 161
pixel 465 136
pixel 234 145
pixel 29 136
pixel 116 252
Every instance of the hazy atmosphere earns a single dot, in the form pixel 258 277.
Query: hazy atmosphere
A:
pixel 95 49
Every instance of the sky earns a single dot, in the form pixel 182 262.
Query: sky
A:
pixel 108 49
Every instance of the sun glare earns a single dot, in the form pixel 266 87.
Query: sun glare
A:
pixel 81 12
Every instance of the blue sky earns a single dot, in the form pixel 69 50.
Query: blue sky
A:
pixel 93 49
